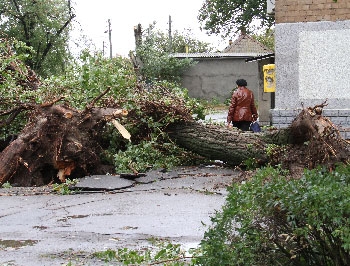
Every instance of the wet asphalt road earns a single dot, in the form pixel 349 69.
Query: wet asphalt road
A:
pixel 38 227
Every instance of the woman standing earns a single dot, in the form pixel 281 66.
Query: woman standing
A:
pixel 242 109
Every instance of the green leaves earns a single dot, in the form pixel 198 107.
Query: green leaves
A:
pixel 227 17
pixel 42 25
pixel 65 188
pixel 146 155
pixel 163 253
pixel 155 53
pixel 272 218
pixel 94 74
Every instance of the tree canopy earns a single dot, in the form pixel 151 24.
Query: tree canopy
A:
pixel 179 41
pixel 225 17
pixel 267 38
pixel 42 25
pixel 154 49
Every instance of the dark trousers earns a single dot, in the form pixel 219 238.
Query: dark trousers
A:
pixel 242 125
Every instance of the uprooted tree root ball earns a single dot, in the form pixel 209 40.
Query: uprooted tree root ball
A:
pixel 315 141
pixel 57 142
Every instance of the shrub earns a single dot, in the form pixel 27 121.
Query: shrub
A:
pixel 275 220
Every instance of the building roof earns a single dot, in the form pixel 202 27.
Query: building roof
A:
pixel 261 57
pixel 243 47
pixel 216 55
pixel 246 44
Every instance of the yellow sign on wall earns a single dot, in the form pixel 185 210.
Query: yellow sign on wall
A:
pixel 269 78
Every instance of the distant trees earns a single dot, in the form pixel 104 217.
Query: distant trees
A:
pixel 154 51
pixel 267 38
pixel 179 42
pixel 225 17
pixel 42 25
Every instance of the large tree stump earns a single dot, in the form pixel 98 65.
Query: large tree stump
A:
pixel 58 142
pixel 316 141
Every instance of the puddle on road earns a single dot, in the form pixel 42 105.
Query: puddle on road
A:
pixel 80 216
pixel 16 244
pixel 65 219
pixel 129 228
pixel 40 227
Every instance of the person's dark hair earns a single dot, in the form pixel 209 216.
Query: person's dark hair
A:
pixel 241 82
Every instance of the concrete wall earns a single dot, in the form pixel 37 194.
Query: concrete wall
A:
pixel 312 62
pixel 214 78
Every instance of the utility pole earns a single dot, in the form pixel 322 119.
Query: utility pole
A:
pixel 170 38
pixel 110 38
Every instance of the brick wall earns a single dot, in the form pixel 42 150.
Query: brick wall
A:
pixel 291 11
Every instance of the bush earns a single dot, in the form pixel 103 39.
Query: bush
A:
pixel 275 220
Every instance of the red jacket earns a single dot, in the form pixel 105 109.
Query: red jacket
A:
pixel 242 106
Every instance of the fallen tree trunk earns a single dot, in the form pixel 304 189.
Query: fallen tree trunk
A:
pixel 310 140
pixel 225 144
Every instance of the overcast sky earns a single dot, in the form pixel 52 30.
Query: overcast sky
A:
pixel 125 14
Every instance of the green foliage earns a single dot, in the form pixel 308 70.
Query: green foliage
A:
pixel 13 89
pixel 267 38
pixel 276 153
pixel 151 146
pixel 225 17
pixel 155 50
pixel 42 25
pixel 271 148
pixel 163 253
pixel 250 164
pixel 89 78
pixel 275 220
pixel 159 65
pixel 179 42
pixel 6 185
pixel 12 54
pixel 80 85
pixel 150 154
pixel 66 187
